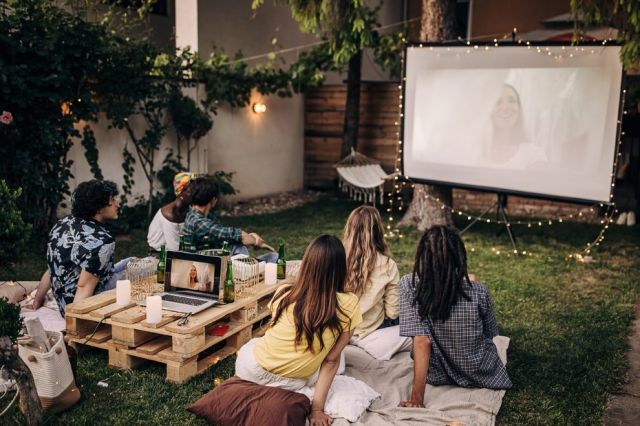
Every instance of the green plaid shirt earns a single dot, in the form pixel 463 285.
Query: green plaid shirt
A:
pixel 197 225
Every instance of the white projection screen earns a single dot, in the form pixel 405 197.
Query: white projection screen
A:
pixel 533 120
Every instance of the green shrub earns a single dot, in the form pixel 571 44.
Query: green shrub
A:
pixel 14 232
pixel 10 320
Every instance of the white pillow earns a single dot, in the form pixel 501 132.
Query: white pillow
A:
pixel 348 398
pixel 384 343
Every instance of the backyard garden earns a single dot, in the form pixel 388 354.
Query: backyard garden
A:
pixel 74 71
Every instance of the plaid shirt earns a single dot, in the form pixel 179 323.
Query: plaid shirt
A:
pixel 197 225
pixel 462 349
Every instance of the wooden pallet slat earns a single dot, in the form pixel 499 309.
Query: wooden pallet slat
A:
pixel 92 303
pixel 130 340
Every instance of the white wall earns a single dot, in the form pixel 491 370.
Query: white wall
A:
pixel 265 151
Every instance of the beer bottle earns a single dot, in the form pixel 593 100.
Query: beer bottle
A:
pixel 224 251
pixel 205 243
pixel 192 248
pixel 281 263
pixel 162 265
pixel 229 287
pixel 181 247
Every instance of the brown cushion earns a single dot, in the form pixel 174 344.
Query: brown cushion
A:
pixel 239 402
pixel 15 291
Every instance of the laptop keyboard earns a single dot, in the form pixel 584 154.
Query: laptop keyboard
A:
pixel 183 300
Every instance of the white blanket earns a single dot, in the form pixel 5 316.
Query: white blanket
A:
pixel 443 404
pixel 48 313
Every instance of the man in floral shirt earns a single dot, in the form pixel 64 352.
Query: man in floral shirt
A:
pixel 201 222
pixel 80 248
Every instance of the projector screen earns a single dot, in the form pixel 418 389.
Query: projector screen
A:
pixel 537 120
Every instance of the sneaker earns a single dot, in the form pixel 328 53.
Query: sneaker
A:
pixel 631 218
pixel 622 219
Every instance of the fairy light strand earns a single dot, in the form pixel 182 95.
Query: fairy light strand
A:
pixel 400 182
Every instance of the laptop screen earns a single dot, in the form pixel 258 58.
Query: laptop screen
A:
pixel 194 272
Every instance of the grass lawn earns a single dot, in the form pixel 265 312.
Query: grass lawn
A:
pixel 567 321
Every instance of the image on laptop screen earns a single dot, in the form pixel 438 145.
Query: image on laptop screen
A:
pixel 188 271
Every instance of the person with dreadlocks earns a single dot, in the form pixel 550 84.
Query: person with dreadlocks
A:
pixel 450 318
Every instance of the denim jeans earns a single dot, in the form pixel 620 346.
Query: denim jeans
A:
pixel 118 273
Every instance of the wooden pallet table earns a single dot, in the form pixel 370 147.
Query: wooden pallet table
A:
pixel 186 349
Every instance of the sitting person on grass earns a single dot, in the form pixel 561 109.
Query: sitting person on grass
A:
pixel 201 222
pixel 313 320
pixel 450 318
pixel 80 248
pixel 371 274
pixel 164 229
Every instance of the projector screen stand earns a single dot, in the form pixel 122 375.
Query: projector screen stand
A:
pixel 501 214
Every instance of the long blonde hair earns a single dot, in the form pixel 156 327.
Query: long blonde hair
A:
pixel 363 239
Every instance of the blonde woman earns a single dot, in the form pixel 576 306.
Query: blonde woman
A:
pixel 371 273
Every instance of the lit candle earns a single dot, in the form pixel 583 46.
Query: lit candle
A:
pixel 270 273
pixel 154 309
pixel 123 292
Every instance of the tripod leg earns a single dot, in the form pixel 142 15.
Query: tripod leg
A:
pixel 512 236
pixel 477 219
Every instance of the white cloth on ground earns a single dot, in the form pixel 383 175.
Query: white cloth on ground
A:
pixel 443 404
pixel 163 231
pixel 48 313
pixel 383 343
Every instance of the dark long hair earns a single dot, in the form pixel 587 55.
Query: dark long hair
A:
pixel 314 291
pixel 439 272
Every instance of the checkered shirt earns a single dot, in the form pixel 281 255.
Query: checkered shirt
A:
pixel 198 225
pixel 462 349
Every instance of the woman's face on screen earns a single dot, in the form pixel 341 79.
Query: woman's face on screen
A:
pixel 506 110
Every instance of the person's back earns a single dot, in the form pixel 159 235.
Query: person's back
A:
pixel 450 318
pixel 81 243
pixel 164 228
pixel 371 273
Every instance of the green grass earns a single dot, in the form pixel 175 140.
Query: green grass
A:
pixel 567 321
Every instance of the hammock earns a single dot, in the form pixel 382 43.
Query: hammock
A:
pixel 362 177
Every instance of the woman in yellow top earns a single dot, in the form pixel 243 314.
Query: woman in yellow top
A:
pixel 312 322
pixel 371 274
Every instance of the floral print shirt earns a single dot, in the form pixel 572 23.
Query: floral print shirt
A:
pixel 76 244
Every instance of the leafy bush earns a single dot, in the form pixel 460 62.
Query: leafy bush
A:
pixel 10 320
pixel 14 232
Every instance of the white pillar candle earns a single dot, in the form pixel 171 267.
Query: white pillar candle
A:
pixel 154 309
pixel 270 273
pixel 123 292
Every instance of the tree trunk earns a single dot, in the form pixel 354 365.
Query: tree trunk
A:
pixel 437 23
pixel 17 370
pixel 352 108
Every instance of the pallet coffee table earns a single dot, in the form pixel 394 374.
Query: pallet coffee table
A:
pixel 186 349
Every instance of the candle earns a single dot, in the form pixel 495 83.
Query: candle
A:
pixel 270 273
pixel 154 309
pixel 123 292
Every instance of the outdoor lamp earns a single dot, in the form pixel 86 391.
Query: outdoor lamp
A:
pixel 259 107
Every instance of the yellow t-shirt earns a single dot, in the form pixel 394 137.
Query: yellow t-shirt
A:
pixel 277 353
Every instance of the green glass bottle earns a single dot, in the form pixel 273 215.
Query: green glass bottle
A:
pixel 206 245
pixel 224 251
pixel 229 292
pixel 181 247
pixel 281 263
pixel 162 265
pixel 192 247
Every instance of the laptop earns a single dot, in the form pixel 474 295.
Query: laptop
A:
pixel 192 281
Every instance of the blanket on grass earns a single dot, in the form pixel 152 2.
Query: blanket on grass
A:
pixel 443 404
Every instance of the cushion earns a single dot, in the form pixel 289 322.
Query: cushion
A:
pixel 348 397
pixel 239 402
pixel 15 291
pixel 384 343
